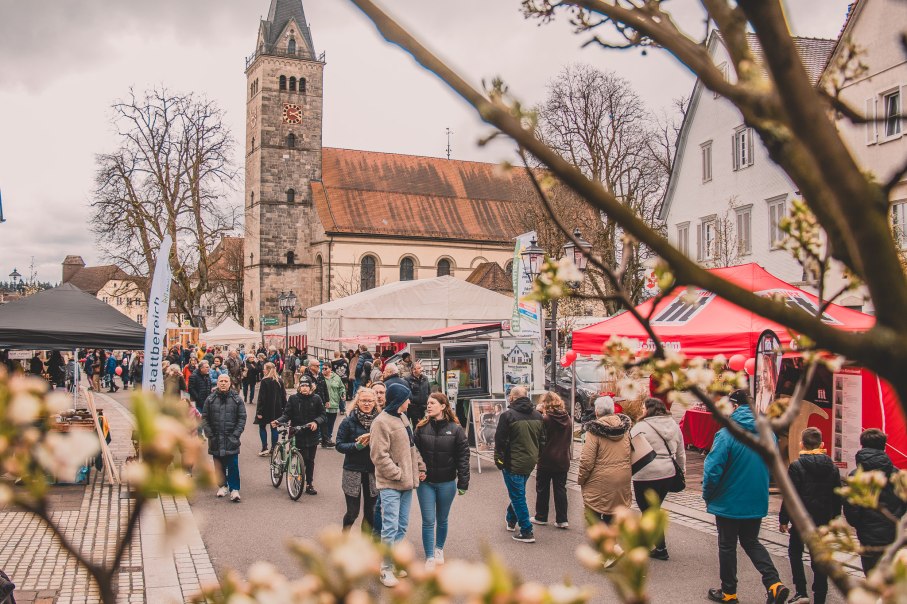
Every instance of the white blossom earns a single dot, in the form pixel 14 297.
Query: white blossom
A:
pixel 564 594
pixel 461 578
pixel 568 271
pixel 629 388
pixel 63 454
pixel 23 409
pixel 356 558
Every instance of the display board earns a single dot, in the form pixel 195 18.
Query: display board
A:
pixel 518 366
pixel 483 417
pixel 847 403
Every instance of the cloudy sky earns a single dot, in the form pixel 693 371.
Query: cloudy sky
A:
pixel 63 62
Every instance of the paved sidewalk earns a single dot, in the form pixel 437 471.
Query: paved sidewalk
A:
pixel 91 517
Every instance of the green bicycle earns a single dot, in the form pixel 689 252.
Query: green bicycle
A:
pixel 287 459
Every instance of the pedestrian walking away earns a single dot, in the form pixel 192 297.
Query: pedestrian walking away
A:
pixel 398 470
pixel 815 477
pixel 604 465
pixel 358 481
pixel 421 387
pixel 735 489
pixel 272 398
pixel 875 529
pixel 223 422
pixel 336 394
pixel 554 461
pixel 252 374
pixel 518 440
pixel 444 448
pixel 305 410
pixel 663 435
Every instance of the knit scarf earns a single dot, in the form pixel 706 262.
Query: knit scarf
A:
pixel 365 418
pixel 814 452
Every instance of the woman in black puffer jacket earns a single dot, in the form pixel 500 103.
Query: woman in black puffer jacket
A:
pixel 444 447
pixel 358 481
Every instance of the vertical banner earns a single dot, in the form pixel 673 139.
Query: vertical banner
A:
pixel 156 327
pixel 526 315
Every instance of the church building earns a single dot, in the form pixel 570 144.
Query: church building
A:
pixel 326 223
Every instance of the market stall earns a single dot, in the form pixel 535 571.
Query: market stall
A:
pixel 230 333
pixel 297 336
pixel 841 405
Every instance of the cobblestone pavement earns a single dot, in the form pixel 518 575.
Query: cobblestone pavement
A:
pixel 91 517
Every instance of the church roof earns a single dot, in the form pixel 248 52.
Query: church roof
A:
pixel 372 193
pixel 279 14
pixel 491 276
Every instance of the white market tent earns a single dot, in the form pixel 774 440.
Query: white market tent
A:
pixel 404 306
pixel 229 332
pixel 296 329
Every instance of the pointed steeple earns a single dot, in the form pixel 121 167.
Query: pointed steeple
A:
pixel 279 15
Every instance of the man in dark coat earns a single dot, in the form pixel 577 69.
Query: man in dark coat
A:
pixel 320 384
pixel 421 387
pixel 363 368
pixel 223 420
pixel 200 385
pixel 874 529
pixel 306 410
pixel 815 477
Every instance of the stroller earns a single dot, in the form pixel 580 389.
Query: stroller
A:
pixel 6 589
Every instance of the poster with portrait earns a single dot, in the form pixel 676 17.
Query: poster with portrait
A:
pixel 767 370
pixel 452 384
pixel 484 415
pixel 518 366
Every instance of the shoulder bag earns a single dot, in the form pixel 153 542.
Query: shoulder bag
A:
pixel 641 452
pixel 678 481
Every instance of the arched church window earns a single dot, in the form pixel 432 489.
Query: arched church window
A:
pixel 508 268
pixel 253 143
pixel 252 198
pixel 443 267
pixel 291 46
pixel 291 257
pixel 252 89
pixel 291 195
pixel 282 82
pixel 367 273
pixel 319 278
pixel 302 85
pixel 291 141
pixel 292 83
pixel 407 270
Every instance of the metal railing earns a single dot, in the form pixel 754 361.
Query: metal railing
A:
pixel 299 54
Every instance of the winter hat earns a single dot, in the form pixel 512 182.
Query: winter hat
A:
pixel 305 380
pixel 397 394
pixel 739 397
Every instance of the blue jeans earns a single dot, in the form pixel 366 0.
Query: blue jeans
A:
pixel 263 434
pixel 517 511
pixel 435 499
pixel 376 526
pixel 394 514
pixel 227 468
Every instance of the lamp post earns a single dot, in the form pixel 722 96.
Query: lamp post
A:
pixel 533 256
pixel 16 281
pixel 287 304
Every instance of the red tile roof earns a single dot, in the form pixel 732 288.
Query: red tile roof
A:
pixel 91 279
pixel 491 276
pixel 371 193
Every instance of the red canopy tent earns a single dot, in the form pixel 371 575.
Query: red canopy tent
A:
pixel 713 326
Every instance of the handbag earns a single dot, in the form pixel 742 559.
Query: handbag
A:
pixel 641 452
pixel 678 481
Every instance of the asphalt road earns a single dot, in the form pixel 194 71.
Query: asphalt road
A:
pixel 238 534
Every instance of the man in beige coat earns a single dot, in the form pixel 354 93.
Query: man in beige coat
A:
pixel 398 469
pixel 604 466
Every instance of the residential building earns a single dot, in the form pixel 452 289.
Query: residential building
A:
pixel 110 284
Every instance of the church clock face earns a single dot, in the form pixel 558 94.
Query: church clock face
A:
pixel 292 114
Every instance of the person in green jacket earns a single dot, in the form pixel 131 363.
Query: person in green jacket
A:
pixel 518 440
pixel 735 489
pixel 336 395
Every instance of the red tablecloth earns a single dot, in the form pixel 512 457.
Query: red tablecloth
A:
pixel 698 428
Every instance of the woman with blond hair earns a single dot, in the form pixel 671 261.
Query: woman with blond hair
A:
pixel 554 461
pixel 444 448
pixel 272 398
pixel 358 482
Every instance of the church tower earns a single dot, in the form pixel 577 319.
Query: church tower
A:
pixel 283 157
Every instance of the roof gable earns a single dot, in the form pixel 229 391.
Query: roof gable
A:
pixel 280 14
pixel 91 279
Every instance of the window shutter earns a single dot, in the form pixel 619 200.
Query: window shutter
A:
pixel 749 146
pixel 734 152
pixel 871 126
pixel 699 253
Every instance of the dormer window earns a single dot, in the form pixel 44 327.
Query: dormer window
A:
pixel 291 46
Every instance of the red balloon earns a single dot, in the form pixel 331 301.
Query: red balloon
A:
pixel 736 362
pixel 750 366
pixel 118 371
pixel 570 356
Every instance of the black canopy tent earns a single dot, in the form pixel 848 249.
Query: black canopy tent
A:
pixel 65 318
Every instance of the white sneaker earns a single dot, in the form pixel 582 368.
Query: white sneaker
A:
pixel 439 556
pixel 429 565
pixel 562 525
pixel 388 579
pixel 535 520
pixel 223 491
pixel 234 496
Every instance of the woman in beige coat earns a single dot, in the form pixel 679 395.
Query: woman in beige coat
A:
pixel 604 466
pixel 398 469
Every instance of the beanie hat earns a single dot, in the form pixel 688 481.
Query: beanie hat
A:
pixel 305 380
pixel 739 397
pixel 397 394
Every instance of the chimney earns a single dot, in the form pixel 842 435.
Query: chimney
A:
pixel 71 266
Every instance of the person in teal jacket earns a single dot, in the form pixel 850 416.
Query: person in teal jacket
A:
pixel 735 489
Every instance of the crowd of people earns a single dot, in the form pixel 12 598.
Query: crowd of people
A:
pixel 400 435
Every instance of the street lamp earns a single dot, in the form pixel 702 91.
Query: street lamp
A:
pixel 287 304
pixel 19 286
pixel 533 256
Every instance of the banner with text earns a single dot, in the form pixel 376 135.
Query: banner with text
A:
pixel 156 327
pixel 526 315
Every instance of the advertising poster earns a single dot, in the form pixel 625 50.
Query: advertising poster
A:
pixel 768 368
pixel 848 417
pixel 525 322
pixel 452 384
pixel 518 366
pixel 484 415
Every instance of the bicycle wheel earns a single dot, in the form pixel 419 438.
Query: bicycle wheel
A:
pixel 277 465
pixel 295 475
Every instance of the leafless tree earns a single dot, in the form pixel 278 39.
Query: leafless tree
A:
pixel 170 175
